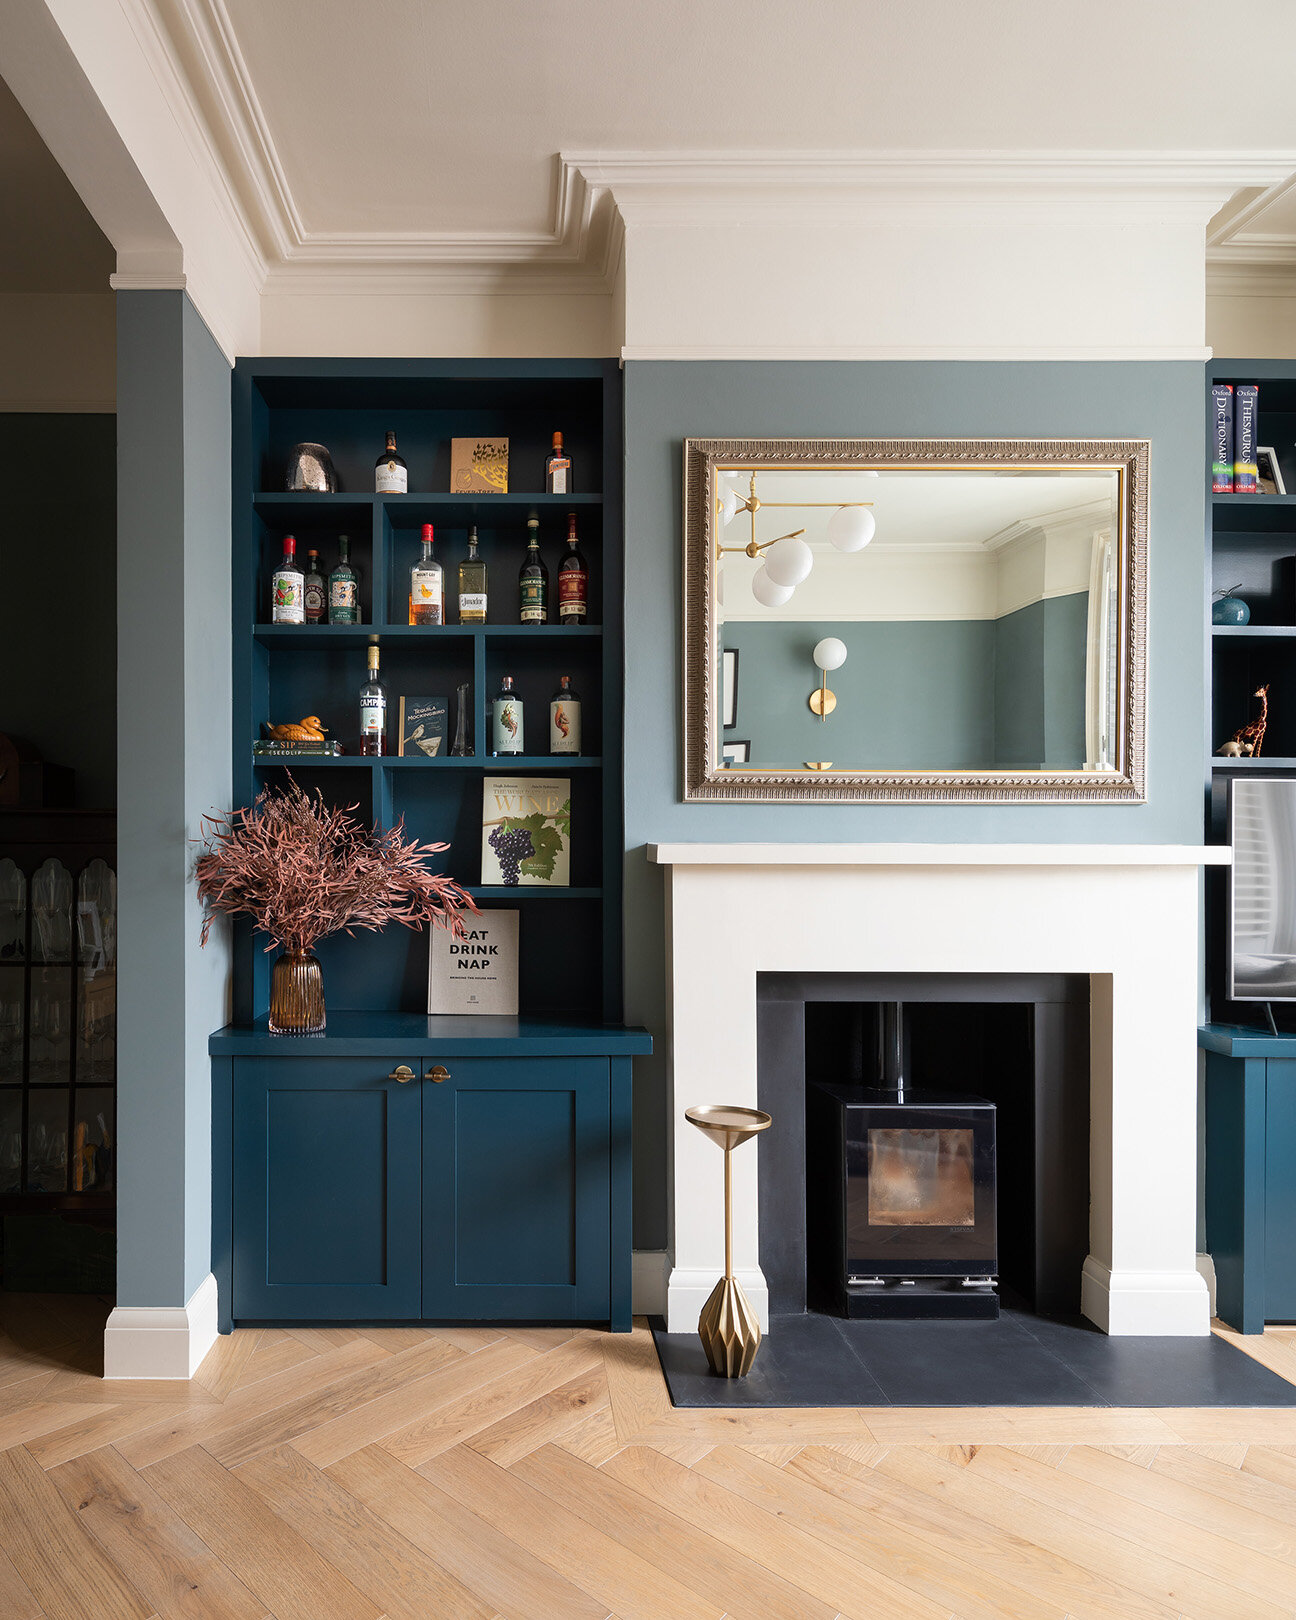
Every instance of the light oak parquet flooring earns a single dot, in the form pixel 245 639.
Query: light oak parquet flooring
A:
pixel 542 1474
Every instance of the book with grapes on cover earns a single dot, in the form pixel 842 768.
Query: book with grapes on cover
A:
pixel 526 831
pixel 479 973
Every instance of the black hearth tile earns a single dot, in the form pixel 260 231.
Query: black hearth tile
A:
pixel 802 1361
pixel 965 1364
pixel 1147 1371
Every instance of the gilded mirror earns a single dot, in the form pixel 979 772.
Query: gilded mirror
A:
pixel 943 619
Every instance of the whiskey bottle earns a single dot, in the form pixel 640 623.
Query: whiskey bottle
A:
pixel 533 579
pixel 558 469
pixel 472 584
pixel 373 707
pixel 391 476
pixel 313 589
pixel 573 580
pixel 288 588
pixel 344 594
pixel 506 719
pixel 427 586
pixel 565 719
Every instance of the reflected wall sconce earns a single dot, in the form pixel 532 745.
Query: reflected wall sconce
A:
pixel 790 559
pixel 828 654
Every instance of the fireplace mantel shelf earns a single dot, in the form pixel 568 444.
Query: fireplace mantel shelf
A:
pixel 838 855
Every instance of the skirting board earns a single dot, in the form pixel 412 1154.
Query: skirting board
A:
pixel 1172 1304
pixel 649 1272
pixel 161 1341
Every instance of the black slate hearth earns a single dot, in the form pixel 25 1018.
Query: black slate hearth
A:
pixel 1020 1360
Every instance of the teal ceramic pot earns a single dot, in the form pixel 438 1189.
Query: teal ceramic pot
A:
pixel 1230 610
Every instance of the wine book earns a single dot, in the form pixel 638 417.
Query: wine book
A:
pixel 479 466
pixel 265 745
pixel 526 831
pixel 479 973
pixel 422 726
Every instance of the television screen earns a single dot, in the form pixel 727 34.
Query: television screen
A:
pixel 1262 905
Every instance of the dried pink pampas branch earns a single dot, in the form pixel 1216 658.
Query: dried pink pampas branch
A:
pixel 302 869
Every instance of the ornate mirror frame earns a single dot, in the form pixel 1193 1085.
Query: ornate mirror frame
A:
pixel 705 780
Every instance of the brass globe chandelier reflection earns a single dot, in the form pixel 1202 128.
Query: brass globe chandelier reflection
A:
pixel 790 559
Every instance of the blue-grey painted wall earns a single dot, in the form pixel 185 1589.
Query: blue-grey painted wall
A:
pixel 58 654
pixel 1039 684
pixel 669 400
pixel 173 734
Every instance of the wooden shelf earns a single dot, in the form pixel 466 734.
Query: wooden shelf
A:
pixel 534 891
pixel 1277 762
pixel 407 762
pixel 308 637
pixel 1274 631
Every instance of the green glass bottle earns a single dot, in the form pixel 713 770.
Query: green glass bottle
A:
pixel 344 588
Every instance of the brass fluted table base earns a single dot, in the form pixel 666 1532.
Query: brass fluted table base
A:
pixel 729 1331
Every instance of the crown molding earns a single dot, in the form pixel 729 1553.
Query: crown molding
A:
pixel 911 351
pixel 1228 277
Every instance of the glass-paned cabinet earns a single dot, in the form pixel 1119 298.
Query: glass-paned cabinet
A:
pixel 58 1009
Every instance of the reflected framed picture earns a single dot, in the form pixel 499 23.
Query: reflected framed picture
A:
pixel 729 686
pixel 736 753
pixel 1270 473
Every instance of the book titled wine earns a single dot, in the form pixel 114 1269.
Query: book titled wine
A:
pixel 478 973
pixel 526 831
pixel 1222 438
pixel 1246 475
pixel 422 726
pixel 479 466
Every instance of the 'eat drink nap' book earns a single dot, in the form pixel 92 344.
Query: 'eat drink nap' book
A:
pixel 526 831
pixel 479 973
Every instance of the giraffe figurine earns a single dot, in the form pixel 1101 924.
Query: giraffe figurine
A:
pixel 1248 739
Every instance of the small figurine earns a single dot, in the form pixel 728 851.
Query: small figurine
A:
pixel 1247 739
pixel 307 729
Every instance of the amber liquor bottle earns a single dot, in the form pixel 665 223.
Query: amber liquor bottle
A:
pixel 391 475
pixel 558 469
pixel 314 589
pixel 573 580
pixel 533 579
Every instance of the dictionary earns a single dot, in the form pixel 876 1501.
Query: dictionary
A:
pixel 478 973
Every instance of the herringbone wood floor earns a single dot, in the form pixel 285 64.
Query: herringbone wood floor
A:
pixel 337 1474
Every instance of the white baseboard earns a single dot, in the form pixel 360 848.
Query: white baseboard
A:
pixel 161 1341
pixel 1166 1304
pixel 649 1272
pixel 1206 1269
pixel 688 1291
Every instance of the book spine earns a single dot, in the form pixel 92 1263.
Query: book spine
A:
pixel 1246 476
pixel 1222 464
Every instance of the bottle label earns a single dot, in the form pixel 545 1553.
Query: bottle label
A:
pixel 390 478
pixel 373 716
pixel 506 725
pixel 314 600
pixel 559 466
pixel 472 602
pixel 565 726
pixel 425 594
pixel 571 594
pixel 287 599
pixel 342 593
pixel 533 601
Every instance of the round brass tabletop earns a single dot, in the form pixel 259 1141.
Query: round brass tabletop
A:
pixel 727 1124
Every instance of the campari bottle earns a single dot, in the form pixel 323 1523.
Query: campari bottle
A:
pixel 373 708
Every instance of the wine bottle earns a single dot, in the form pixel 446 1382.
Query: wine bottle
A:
pixel 427 586
pixel 565 719
pixel 558 469
pixel 472 584
pixel 344 595
pixel 573 580
pixel 506 719
pixel 391 476
pixel 313 590
pixel 373 708
pixel 288 588
pixel 533 579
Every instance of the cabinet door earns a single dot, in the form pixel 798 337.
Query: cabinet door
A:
pixel 326 1190
pixel 516 1190
pixel 1280 1193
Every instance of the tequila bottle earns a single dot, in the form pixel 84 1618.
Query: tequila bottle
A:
pixel 472 584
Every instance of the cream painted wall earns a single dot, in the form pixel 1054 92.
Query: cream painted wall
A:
pixel 60 352
pixel 1252 327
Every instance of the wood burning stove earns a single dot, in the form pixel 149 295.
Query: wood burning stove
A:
pixel 900 1208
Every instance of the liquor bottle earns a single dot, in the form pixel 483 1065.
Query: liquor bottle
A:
pixel 533 579
pixel 391 476
pixel 313 589
pixel 288 588
pixel 427 586
pixel 472 584
pixel 558 469
pixel 506 719
pixel 565 719
pixel 344 594
pixel 373 707
pixel 573 580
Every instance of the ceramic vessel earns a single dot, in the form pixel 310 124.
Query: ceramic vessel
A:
pixel 1230 610
pixel 310 467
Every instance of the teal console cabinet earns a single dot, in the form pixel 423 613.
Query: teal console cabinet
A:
pixel 411 1169
pixel 1251 1173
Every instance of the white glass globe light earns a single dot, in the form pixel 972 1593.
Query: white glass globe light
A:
pixel 730 501
pixel 789 560
pixel 850 528
pixel 767 592
pixel 829 653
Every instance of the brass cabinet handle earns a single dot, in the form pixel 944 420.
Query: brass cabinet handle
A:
pixel 439 1073
pixel 402 1072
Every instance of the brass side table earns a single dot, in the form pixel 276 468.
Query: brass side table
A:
pixel 727 1327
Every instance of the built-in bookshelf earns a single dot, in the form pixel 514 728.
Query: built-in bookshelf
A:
pixel 570 946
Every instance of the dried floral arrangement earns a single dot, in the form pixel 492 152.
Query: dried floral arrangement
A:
pixel 302 869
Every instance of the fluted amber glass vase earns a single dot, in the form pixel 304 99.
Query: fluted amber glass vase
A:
pixel 297 994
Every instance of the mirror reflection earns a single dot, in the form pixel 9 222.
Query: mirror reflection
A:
pixel 921 619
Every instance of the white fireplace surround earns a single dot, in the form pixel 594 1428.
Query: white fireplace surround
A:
pixel 1125 914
